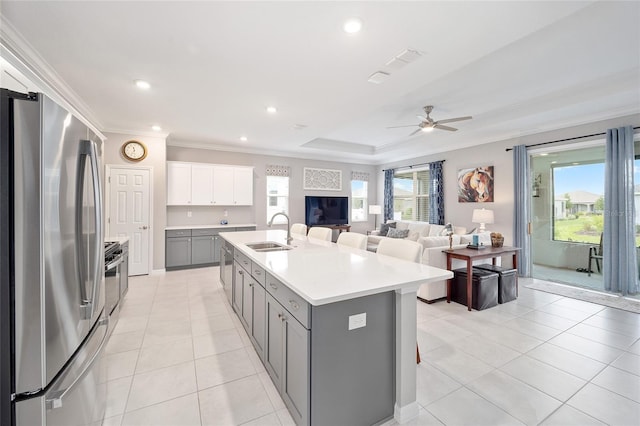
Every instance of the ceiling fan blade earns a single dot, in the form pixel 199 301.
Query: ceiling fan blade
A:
pixel 414 132
pixel 396 127
pixel 440 126
pixel 451 120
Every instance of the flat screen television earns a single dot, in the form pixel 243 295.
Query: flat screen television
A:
pixel 326 210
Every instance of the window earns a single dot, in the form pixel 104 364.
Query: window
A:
pixel 411 195
pixel 277 197
pixel 578 201
pixel 359 201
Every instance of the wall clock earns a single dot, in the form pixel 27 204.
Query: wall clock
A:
pixel 134 150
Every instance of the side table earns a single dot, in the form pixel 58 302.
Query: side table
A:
pixel 469 255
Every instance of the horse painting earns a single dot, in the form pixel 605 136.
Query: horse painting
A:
pixel 475 185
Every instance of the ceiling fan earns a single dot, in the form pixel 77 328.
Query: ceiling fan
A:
pixel 428 124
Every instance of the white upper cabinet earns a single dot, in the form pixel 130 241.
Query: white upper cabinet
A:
pixel 243 186
pixel 223 186
pixel 178 183
pixel 199 184
pixel 202 184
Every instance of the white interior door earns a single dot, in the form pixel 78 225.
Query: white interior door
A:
pixel 129 213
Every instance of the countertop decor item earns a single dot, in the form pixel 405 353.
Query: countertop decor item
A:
pixel 497 240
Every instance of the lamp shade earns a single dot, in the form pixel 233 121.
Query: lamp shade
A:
pixel 375 209
pixel 482 216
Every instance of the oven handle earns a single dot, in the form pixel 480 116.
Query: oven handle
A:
pixel 115 263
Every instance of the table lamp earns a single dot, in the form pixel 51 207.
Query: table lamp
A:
pixel 375 210
pixel 482 216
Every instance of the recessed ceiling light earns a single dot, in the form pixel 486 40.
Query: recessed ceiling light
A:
pixel 141 84
pixel 271 110
pixel 243 138
pixel 352 26
pixel 156 128
pixel 544 154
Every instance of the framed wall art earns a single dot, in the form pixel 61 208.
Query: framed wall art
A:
pixel 475 185
pixel 322 179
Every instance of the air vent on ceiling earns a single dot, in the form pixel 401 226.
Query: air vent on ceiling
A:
pixel 378 77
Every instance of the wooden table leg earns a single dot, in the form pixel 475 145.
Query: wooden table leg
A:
pixel 469 284
pixel 515 266
pixel 449 280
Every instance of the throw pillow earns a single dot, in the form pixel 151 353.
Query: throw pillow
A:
pixel 384 227
pixel 413 236
pixel 397 233
pixel 446 231
pixel 435 230
pixel 473 231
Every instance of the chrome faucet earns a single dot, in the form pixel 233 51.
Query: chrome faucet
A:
pixel 289 238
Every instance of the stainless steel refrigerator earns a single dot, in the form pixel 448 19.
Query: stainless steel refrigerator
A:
pixel 53 327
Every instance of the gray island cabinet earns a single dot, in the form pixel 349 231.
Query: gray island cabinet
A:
pixel 334 327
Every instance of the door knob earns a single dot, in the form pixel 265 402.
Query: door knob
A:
pixel 143 227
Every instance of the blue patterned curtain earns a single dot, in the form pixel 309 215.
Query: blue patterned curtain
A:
pixel 618 241
pixel 436 193
pixel 522 198
pixel 388 194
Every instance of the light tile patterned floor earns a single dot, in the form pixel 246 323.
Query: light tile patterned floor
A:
pixel 179 356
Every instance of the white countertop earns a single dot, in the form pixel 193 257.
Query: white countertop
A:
pixel 323 272
pixel 230 225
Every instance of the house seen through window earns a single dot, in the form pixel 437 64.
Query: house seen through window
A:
pixel 359 203
pixel 411 195
pixel 277 197
pixel 578 202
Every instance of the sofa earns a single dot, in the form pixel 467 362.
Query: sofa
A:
pixel 433 242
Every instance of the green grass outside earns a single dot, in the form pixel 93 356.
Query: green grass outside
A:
pixel 583 229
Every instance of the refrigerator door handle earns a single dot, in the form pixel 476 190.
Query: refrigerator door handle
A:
pixel 55 399
pixel 88 149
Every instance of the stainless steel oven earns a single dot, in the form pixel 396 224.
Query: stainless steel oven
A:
pixel 112 277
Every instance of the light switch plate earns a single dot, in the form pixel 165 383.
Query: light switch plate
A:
pixel 357 321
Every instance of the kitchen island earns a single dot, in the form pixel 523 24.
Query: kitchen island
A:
pixel 334 326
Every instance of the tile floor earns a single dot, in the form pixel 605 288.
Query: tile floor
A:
pixel 179 356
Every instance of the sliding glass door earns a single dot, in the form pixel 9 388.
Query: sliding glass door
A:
pixel 567 213
pixel 567 217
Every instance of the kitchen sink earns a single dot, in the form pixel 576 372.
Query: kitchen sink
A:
pixel 268 246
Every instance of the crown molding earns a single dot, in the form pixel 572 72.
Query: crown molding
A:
pixel 257 151
pixel 17 51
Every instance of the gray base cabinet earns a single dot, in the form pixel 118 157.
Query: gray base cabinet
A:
pixel 178 250
pixel 193 248
pixel 249 302
pixel 324 372
pixel 205 250
pixel 287 359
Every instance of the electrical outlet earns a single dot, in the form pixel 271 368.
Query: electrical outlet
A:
pixel 357 321
pixel 189 214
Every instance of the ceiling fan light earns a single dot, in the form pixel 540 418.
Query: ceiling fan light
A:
pixel 427 129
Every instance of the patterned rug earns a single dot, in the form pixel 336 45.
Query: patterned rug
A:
pixel 611 300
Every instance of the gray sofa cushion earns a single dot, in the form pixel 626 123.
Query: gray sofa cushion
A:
pixel 384 227
pixel 397 233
